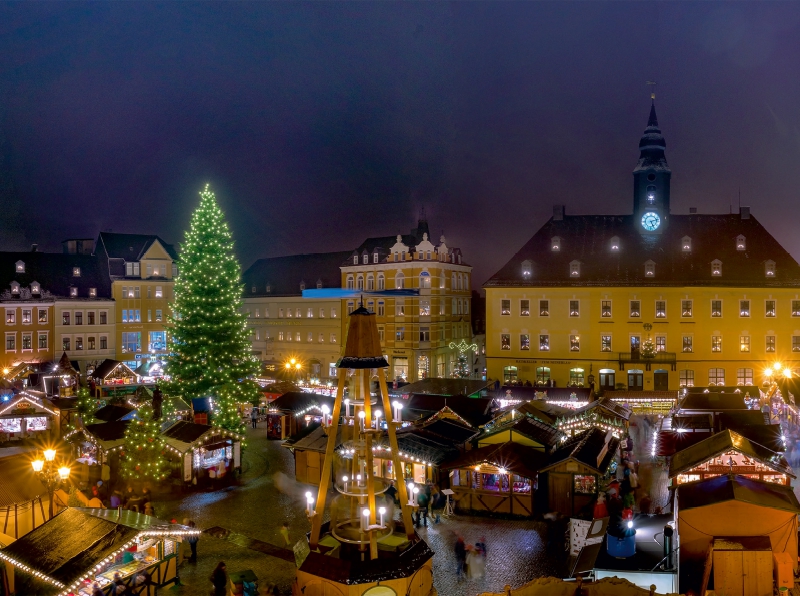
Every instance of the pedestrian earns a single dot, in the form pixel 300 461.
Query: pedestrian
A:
pixel 192 540
pixel 422 511
pixel 97 590
pixel 219 578
pixel 461 556
pixel 475 563
pixel 254 417
pixel 391 492
pixel 285 533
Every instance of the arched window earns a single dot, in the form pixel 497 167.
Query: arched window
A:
pixel 349 282
pixel 370 282
pixel 381 282
pixel 399 280
pixel 509 374
pixel 360 282
pixel 453 282
pixel 424 280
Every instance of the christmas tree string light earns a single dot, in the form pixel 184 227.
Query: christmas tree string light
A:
pixel 209 345
pixel 144 455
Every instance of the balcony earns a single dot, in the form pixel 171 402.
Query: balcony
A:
pixel 659 358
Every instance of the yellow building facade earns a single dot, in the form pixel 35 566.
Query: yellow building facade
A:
pixel 649 301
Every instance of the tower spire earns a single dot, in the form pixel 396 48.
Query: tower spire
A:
pixel 651 176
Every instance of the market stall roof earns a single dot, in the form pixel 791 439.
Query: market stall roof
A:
pixel 559 394
pixel 26 404
pixel 108 366
pixel 419 443
pixel 515 458
pixel 720 443
pixel 25 486
pixel 315 440
pixel 182 435
pixel 475 411
pixel 299 401
pixel 713 402
pixel 768 435
pixel 448 429
pixel 533 429
pixel 66 547
pixel 605 407
pixel 538 409
pixel 446 387
pixel 692 422
pixel 670 442
pixel 594 448
pixel 65 403
pixel 733 487
pixel 143 370
pixel 107 435
pixel 742 418
pixel 178 404
pixel 111 413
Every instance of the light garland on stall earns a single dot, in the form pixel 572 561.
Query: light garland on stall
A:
pixel 33 572
pixel 590 420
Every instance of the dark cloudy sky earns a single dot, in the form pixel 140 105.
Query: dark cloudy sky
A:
pixel 320 124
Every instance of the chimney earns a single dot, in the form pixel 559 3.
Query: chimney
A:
pixel 558 212
pixel 34 247
pixel 692 209
pixel 744 212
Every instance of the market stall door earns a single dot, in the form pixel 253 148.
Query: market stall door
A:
pixel 560 492
pixel 743 573
pixel 312 466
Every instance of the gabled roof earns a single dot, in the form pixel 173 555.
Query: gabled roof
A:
pixel 445 387
pixel 54 274
pixel 187 432
pixel 515 458
pixel 720 443
pixel 448 429
pixel 284 274
pixel 107 366
pixel 585 448
pixel 426 446
pixel 111 413
pixel 729 487
pixel 130 247
pixel 297 401
pixel 604 407
pixel 108 431
pixel 542 433
pixel 475 411
pixel 538 410
pixel 713 402
pixel 586 238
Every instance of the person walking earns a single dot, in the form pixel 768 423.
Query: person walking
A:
pixel 254 417
pixel 422 500
pixel 391 492
pixel 219 579
pixel 192 540
pixel 461 557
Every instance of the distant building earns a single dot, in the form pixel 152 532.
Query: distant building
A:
pixel 649 301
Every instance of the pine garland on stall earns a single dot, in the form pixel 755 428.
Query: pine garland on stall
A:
pixel 143 456
pixel 209 344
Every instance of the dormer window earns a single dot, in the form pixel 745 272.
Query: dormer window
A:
pixel 741 244
pixel 375 257
pixel 253 290
pixel 686 244
pixel 365 259
pixel 76 272
pixel 555 244
pixel 35 288
pixel 651 195
pixel 769 268
pixel 269 288
pixel 716 267
pixel 319 284
pixel 615 243
pixel 575 269
pixel 355 259
pixel 302 286
pixel 650 269
pixel 19 267
pixel 73 291
pixel 14 287
pixel 92 292
pixel 527 269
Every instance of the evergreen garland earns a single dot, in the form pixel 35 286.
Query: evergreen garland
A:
pixel 209 344
pixel 144 455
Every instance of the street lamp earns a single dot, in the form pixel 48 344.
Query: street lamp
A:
pixel 50 474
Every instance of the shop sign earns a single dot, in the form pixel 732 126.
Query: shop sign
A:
pixel 399 352
pixel 160 355
pixel 733 470
pixel 529 361
pixel 23 405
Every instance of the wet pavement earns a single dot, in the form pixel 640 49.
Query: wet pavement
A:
pixel 247 520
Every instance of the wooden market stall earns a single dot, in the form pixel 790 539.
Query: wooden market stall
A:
pixel 497 478
pixel 80 547
pixel 733 506
pixel 729 452
pixel 96 450
pixel 113 378
pixel 572 474
pixel 21 502
pixel 25 416
pixel 204 454
pixel 289 413
pixel 604 414
pixel 523 430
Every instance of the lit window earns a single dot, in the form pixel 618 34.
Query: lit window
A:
pixel 505 307
pixel 524 308
pixel 770 343
pixel 14 287
pixel 73 291
pixel 649 269
pixel 744 376
pixel 574 343
pixel 93 292
pixel 741 243
pixel 686 308
pixel 615 243
pixel 524 341
pixel 555 243
pixel 744 308
pixel 769 268
pixel 686 244
pixel 605 308
pixel 769 308
pixel 687 343
pixel 651 194
pixel 686 378
pixel 716 308
pixel 19 267
pixel 574 308
pixel 527 268
pixel 544 308
pixel 350 307
pixel 796 343
pixel 716 267
pixel 661 343
pixel 661 309
pixel 575 269
pixel 159 292
pixel 636 309
pixel 505 341
pixel 744 343
pixel 716 377
pixel 716 343
pixel 76 272
pixel 576 380
pixel 544 343
pixel 605 343
pixel 35 288
pixel 399 281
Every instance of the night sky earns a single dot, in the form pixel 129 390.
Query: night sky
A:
pixel 321 124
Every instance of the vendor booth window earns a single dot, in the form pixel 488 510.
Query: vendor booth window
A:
pixel 495 482
pixel 684 478
pixel 419 473
pixel 400 368
pixel 585 484
pixel 520 484
pixel 475 483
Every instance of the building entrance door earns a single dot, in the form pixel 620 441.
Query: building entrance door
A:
pixel 661 380
pixel 635 380
pixel 607 379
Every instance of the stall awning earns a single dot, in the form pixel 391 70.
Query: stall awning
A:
pixel 515 458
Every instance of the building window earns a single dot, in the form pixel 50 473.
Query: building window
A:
pixel 686 308
pixel 555 244
pixel 575 269
pixel 505 307
pixel 424 308
pixel 716 377
pixel 524 308
pixel 769 308
pixel 661 343
pixel 26 316
pixel 65 317
pixel 661 309
pixel 741 242
pixel 90 317
pixel 19 267
pixel 73 291
pixel 42 341
pixel 370 282
pixel 574 343
pixel 716 308
pixel 649 269
pixel 544 308
pixel 297 336
pixel 574 308
pixel 686 378
pixel 103 317
pixel 159 292
pixel 605 343
pixel 744 308
pixel 614 245
pixel 65 344
pixel 542 375
pixel 505 341
pixel 770 343
pixel 605 308
pixel 365 259
pixel 399 281
pixel 280 335
pixel 636 309
pixel 796 343
pixel 424 334
pixel 716 343
pixel 769 268
pixel 527 269
pixel 78 343
pixel 131 341
pixel 687 343
pixel 744 343
pixel 90 343
pixel 355 259
pixel 103 342
pixel 360 282
pixel 381 308
pixel 544 343
pixel 716 267
pixel 76 272
pixel 524 341
pixel 159 315
pixel 92 292
pixel 375 257
pixel 27 341
pixel 43 315
pixel 744 376
pixel 576 377
pixel 333 312
pixel 399 308
pixel 79 318
pixel 350 307
pixel 400 334
pixel 424 280
pixel 686 244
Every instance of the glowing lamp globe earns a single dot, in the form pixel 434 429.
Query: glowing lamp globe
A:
pixel 38 465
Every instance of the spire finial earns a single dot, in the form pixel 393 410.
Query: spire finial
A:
pixel 652 91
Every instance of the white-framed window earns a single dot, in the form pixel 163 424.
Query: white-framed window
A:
pixel 370 282
pixel 769 308
pixel 661 343
pixel 350 282
pixel 688 344
pixel 605 309
pixel 744 376
pixel 424 308
pixel 26 316
pixel 92 292
pixel 355 259
pixel 716 377
pixel 575 269
pixel 365 259
pixel 524 308
pixel 73 291
pixel 280 335
pixel 381 308
pixel 744 343
pixel 159 315
pixel 27 342
pixel 360 282
pixel 649 269
pixel 744 308
pixel 686 378
pixel 574 308
pixel 716 267
pixel 605 342
pixel 66 343
pixel 635 309
pixel 321 312
pixel 544 343
pixel 555 243
pixel 333 312
pixel 769 268
pixel 686 244
pixel 14 288
pixel 741 242
pixel 350 307
pixel 375 257
pixel 400 333
pixel 524 341
pixel 661 309
pixel 505 307
pixel 79 343
pixel 297 336
pixel 310 312
pixel 78 317
pixel 424 280
pixel 686 308
pixel 42 343
pixel 90 317
pixel 19 267
pixel 716 308
pixel 43 315
pixel 544 308
pixel 381 282
pixel 399 280
pixel 716 343
pixel 159 292
pixel 424 334
pixel 399 308
pixel 505 341
pixel 770 344
pixel 574 343
pixel 35 288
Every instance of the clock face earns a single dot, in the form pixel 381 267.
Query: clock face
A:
pixel 650 221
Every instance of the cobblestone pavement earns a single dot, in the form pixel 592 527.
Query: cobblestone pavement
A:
pixel 268 495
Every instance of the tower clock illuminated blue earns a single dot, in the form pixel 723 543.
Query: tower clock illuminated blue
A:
pixel 650 221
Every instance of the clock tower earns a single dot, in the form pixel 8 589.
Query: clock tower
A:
pixel 651 180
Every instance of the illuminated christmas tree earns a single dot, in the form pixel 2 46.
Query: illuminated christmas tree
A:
pixel 144 455
pixel 87 406
pixel 461 369
pixel 209 346
pixel 648 348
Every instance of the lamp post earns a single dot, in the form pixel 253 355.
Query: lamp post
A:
pixel 50 474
